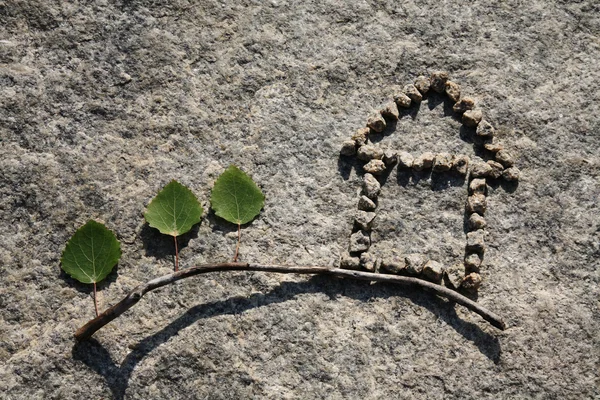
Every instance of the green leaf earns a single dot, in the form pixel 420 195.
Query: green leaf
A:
pixel 91 253
pixel 235 197
pixel 174 210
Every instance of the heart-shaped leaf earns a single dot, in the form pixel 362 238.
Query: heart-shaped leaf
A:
pixel 174 210
pixel 235 197
pixel 91 253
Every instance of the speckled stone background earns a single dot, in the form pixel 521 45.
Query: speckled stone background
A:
pixel 103 102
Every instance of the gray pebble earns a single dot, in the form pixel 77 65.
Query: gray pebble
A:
pixel 442 162
pixel 433 271
pixel 464 104
pixel 371 186
pixel 471 118
pixel 405 160
pixel 414 263
pixel 505 158
pixel 511 174
pixel 497 169
pixel 348 148
pixel 476 221
pixel 422 84
pixel 424 161
pixel 360 136
pixel 349 262
pixel 471 281
pixel 479 169
pixel 413 93
pixel 375 167
pixel 455 275
pixel 438 81
pixel 390 110
pixel 359 242
pixel 493 145
pixel 402 100
pixel 390 157
pixel 393 262
pixel 366 204
pixel 478 185
pixel 476 240
pixel 369 261
pixel 485 129
pixel 364 219
pixel 369 152
pixel 476 203
pixel 376 122
pixel 453 91
pixel 472 262
pixel 461 164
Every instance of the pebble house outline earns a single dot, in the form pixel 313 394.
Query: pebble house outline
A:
pixel 464 274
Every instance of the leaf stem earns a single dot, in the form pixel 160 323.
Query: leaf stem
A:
pixel 86 331
pixel 237 247
pixel 176 254
pixel 96 300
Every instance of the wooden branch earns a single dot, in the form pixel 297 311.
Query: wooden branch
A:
pixel 87 330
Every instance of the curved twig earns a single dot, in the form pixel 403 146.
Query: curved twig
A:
pixel 87 330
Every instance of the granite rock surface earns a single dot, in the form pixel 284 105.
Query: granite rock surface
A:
pixel 102 103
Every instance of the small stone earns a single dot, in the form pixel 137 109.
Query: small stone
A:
pixel 359 242
pixel 424 161
pixel 364 219
pixel 371 186
pixel 461 164
pixel 505 158
pixel 402 100
pixel 376 122
pixel 478 186
pixel 360 136
pixel 497 169
pixel 348 148
pixel 476 221
pixel 366 204
pixel 438 81
pixel 412 92
pixel 390 110
pixel 405 160
pixel 484 129
pixel 414 263
pixel 453 91
pixel 433 271
pixel 442 162
pixel 349 262
pixel 476 240
pixel 390 157
pixel 476 203
pixel 479 169
pixel 492 145
pixel 125 78
pixel 472 262
pixel 472 281
pixel 511 174
pixel 369 261
pixel 464 104
pixel 455 275
pixel 422 84
pixel 393 263
pixel 375 167
pixel 471 118
pixel 369 152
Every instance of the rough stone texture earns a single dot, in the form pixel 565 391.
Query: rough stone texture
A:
pixel 511 174
pixel 478 185
pixel 393 262
pixel 476 221
pixel 433 271
pixel 424 161
pixel 453 91
pixel 492 144
pixel 476 240
pixel 422 84
pixel 472 281
pixel 405 160
pixel 364 219
pixel 438 81
pixel 473 262
pixel 414 263
pixel 505 158
pixel 360 136
pixel 369 152
pixel 366 204
pixel 461 164
pixel 464 104
pixel 476 203
pixel 484 129
pixel 369 261
pixel 413 93
pixel 376 122
pixel 375 167
pixel 497 169
pixel 371 186
pixel 349 262
pixel 104 102
pixel 390 157
pixel 442 162
pixel 359 242
pixel 402 100
pixel 471 118
pixel 348 148
pixel 454 275
pixel 479 169
pixel 390 110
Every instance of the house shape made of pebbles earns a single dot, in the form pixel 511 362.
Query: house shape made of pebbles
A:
pixel 376 161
